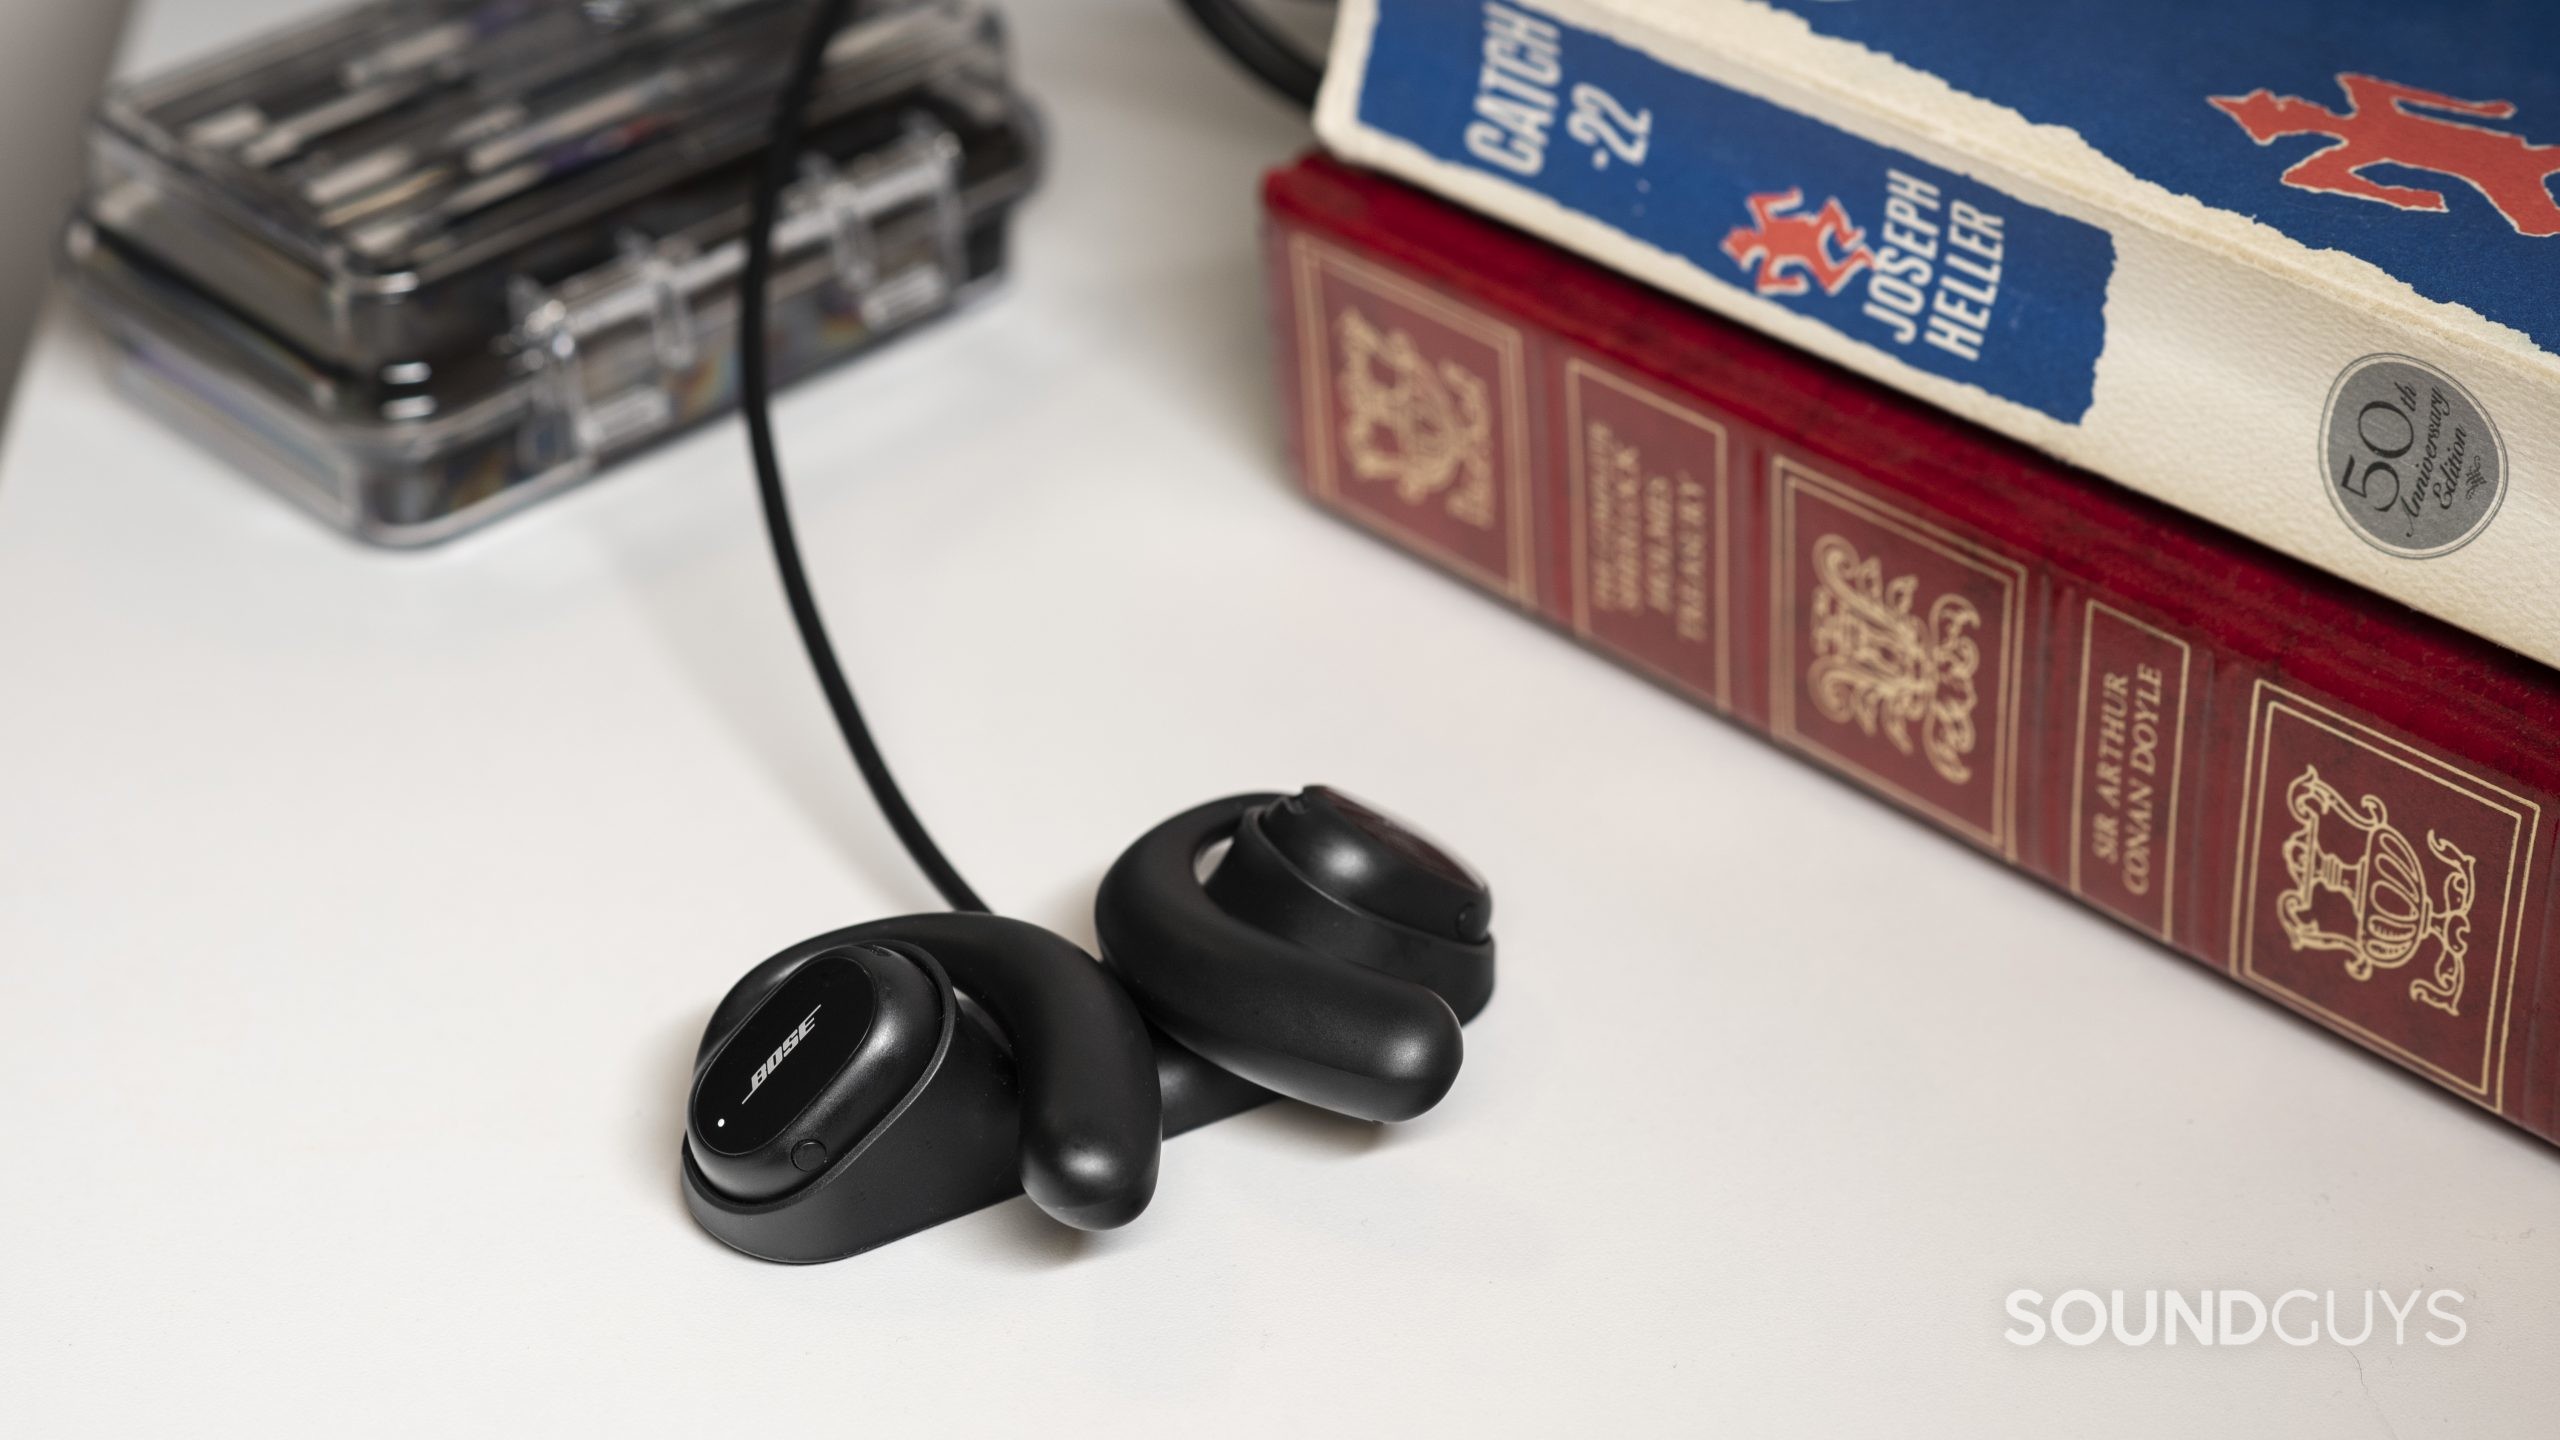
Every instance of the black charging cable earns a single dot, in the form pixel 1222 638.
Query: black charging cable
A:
pixel 1244 35
pixel 755 392
pixel 1270 56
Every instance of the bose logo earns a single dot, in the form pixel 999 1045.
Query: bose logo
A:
pixel 782 1051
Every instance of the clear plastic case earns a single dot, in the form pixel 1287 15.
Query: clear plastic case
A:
pixel 417 264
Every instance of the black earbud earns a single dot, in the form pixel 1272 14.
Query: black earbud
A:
pixel 1307 943
pixel 870 1082
pixel 998 1056
pixel 820 1059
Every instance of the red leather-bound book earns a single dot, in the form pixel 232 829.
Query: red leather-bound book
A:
pixel 2333 800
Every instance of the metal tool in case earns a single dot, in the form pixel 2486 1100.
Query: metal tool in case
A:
pixel 419 264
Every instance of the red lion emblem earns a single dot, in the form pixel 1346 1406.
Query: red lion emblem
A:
pixel 1788 247
pixel 2379 128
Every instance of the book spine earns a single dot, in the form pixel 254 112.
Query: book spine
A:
pixel 2000 270
pixel 2340 804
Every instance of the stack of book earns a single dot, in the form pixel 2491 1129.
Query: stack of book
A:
pixel 2127 438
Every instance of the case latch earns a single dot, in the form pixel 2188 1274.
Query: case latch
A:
pixel 638 345
pixel 909 190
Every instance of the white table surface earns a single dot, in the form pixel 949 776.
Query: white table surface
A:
pixel 358 914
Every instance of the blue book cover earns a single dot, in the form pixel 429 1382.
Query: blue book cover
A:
pixel 2292 266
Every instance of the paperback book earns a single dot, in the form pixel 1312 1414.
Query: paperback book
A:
pixel 2292 266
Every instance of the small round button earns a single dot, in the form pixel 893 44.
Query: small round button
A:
pixel 809 1155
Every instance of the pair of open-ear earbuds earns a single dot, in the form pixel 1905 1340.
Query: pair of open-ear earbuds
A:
pixel 870 1082
pixel 873 1081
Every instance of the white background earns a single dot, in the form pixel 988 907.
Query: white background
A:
pixel 358 914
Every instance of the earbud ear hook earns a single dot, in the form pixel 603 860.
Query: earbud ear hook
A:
pixel 1372 1036
pixel 1092 1120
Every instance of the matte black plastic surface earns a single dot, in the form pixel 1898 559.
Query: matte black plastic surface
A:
pixel 945 1149
pixel 1092 1121
pixel 1267 976
pixel 948 1146
pixel 1261 884
pixel 817 1064
pixel 1369 860
pixel 1043 1078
